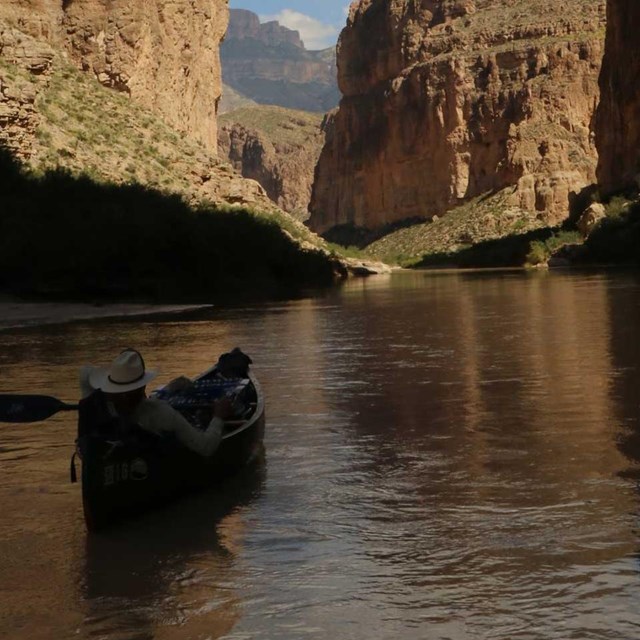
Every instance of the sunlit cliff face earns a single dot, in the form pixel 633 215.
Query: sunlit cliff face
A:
pixel 162 53
pixel 444 101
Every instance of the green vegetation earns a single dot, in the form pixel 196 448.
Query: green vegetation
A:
pixel 70 237
pixel 616 239
pixel 540 251
pixel 490 232
pixel 347 252
pixel 617 207
pixel 508 251
pixel 84 124
pixel 283 126
pixel 482 222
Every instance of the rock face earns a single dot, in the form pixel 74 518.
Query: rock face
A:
pixel 279 148
pixel 246 25
pixel 446 100
pixel 164 54
pixel 24 68
pixel 618 118
pixel 590 218
pixel 269 64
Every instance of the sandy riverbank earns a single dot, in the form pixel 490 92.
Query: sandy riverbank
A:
pixel 16 314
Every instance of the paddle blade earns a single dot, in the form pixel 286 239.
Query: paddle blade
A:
pixel 23 408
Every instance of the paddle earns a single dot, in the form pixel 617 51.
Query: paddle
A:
pixel 23 408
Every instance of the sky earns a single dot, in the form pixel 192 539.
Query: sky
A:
pixel 318 21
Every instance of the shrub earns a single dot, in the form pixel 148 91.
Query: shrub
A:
pixel 73 236
pixel 616 207
pixel 537 253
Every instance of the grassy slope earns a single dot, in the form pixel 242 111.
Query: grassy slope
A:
pixel 101 133
pixel 487 233
pixel 280 125
pixel 481 219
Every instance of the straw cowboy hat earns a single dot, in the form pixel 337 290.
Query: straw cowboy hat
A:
pixel 126 373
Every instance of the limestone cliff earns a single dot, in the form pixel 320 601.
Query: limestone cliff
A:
pixel 618 118
pixel 445 100
pixel 269 64
pixel 25 65
pixel 164 54
pixel 277 147
pixel 52 115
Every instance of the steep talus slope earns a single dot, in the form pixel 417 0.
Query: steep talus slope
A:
pixel 444 101
pixel 277 147
pixel 164 54
pixel 618 118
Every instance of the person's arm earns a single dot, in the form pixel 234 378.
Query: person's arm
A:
pixel 160 417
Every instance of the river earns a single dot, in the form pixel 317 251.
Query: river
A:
pixel 448 456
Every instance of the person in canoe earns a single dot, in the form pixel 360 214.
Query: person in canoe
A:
pixel 124 385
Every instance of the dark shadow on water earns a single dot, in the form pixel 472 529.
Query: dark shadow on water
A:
pixel 625 350
pixel 153 570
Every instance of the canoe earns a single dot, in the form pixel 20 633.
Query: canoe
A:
pixel 126 470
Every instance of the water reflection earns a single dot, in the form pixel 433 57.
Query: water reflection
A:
pixel 482 434
pixel 624 383
pixel 449 457
pixel 171 573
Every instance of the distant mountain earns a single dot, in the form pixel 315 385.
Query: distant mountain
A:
pixel 269 64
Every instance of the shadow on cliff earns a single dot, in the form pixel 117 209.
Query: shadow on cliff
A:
pixel 510 251
pixel 350 235
pixel 69 237
pixel 615 241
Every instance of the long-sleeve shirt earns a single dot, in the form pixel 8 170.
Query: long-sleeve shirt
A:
pixel 157 416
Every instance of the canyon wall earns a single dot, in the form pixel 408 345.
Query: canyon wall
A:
pixel 164 54
pixel 277 147
pixel 618 118
pixel 446 100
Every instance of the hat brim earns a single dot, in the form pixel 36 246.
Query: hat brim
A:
pixel 99 379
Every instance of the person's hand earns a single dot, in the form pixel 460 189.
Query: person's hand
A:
pixel 222 408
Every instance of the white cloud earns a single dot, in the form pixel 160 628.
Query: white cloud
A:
pixel 314 33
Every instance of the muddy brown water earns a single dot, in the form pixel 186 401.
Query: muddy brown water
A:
pixel 448 456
